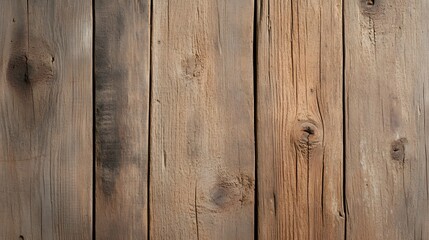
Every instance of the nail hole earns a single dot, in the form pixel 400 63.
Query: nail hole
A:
pixel 21 237
pixel 370 2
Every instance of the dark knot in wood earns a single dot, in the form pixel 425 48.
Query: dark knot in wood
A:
pixel 29 66
pixel 307 136
pixel 397 150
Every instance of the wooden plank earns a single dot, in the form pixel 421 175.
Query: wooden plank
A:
pixel 121 66
pixel 387 45
pixel 46 119
pixel 299 119
pixel 202 139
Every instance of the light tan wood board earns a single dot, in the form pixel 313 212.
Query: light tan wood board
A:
pixel 46 119
pixel 202 139
pixel 387 102
pixel 300 119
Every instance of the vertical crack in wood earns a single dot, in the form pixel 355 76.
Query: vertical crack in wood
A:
pixel 322 200
pixel 309 132
pixel 425 142
pixel 164 158
pixel 196 211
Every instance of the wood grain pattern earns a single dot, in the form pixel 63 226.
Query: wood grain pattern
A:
pixel 121 57
pixel 387 105
pixel 202 139
pixel 45 119
pixel 299 119
pixel 341 107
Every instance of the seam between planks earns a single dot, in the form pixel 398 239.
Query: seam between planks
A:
pixel 344 109
pixel 149 116
pixel 255 115
pixel 94 130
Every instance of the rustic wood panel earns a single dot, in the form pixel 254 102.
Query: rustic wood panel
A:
pixel 299 119
pixel 202 139
pixel 387 135
pixel 121 68
pixel 46 119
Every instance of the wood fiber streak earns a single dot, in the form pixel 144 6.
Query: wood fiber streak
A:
pixel 45 119
pixel 299 119
pixel 202 140
pixel 387 129
pixel 121 69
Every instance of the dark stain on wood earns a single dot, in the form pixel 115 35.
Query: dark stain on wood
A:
pixel 29 65
pixel 107 128
pixel 17 68
pixel 17 71
pixel 109 82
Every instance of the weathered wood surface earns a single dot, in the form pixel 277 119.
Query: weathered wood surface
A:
pixel 299 119
pixel 202 139
pixel 121 70
pixel 45 119
pixel 341 102
pixel 387 119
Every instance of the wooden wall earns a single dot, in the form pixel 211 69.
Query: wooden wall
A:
pixel 214 119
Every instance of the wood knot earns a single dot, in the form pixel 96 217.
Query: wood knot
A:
pixel 370 7
pixel 307 136
pixel 18 70
pixel 193 66
pixel 232 191
pixel 221 195
pixel 397 149
pixel 368 3
pixel 26 68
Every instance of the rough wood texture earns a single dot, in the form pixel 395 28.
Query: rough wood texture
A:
pixel 299 119
pixel 202 139
pixel 121 66
pixel 387 120
pixel 45 119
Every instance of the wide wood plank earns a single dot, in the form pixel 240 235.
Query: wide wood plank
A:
pixel 121 66
pixel 202 138
pixel 45 119
pixel 299 119
pixel 387 46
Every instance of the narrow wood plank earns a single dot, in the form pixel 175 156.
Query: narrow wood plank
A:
pixel 202 139
pixel 387 45
pixel 121 65
pixel 299 119
pixel 46 119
